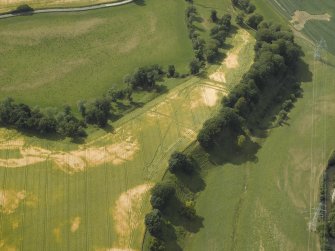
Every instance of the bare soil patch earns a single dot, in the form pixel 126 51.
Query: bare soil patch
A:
pixel 300 18
pixel 10 200
pixel 127 214
pixel 75 223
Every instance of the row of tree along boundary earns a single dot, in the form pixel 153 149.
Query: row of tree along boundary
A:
pixel 323 220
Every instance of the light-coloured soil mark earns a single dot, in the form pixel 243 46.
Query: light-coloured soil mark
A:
pixel 22 36
pixel 127 214
pixel 206 95
pixel 232 59
pixel 218 77
pixel 210 96
pixel 73 161
pixel 75 222
pixel 10 200
pixel 300 18
pixel 5 247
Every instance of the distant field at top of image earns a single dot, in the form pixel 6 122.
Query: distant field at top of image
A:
pixel 57 59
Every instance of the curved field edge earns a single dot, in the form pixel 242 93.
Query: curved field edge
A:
pixel 8 5
pixel 94 195
pixel 84 54
pixel 268 204
pixel 233 66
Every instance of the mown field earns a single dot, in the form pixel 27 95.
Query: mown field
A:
pixel 58 59
pixel 265 201
pixel 7 5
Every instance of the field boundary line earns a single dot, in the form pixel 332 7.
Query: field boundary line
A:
pixel 67 9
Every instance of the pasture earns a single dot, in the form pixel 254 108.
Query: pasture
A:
pixel 317 27
pixel 266 201
pixel 57 59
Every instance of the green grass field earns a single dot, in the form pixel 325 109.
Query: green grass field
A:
pixel 8 5
pixel 315 29
pixel 59 195
pixel 267 203
pixel 58 59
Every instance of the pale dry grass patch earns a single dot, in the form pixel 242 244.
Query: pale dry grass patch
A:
pixel 300 18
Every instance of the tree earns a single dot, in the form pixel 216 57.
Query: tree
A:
pixel 171 71
pixel 154 222
pixel 160 194
pixel 214 16
pixel 254 20
pixel 195 66
pixel 188 210
pixel 331 160
pixel 241 141
pixel 180 162
pixel 157 245
pixel 97 112
pixel 212 51
pixel 239 19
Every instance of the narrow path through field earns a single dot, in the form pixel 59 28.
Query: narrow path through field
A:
pixel 70 9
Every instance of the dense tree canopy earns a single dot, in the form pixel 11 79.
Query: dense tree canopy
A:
pixel 160 194
pixel 154 222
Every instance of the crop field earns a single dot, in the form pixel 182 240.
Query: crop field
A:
pixel 314 18
pixel 269 201
pixel 7 5
pixel 57 59
pixel 93 196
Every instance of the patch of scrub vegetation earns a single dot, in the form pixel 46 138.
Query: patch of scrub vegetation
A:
pixel 85 54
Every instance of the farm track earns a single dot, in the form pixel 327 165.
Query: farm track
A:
pixel 69 9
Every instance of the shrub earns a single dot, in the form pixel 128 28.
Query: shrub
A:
pixel 22 9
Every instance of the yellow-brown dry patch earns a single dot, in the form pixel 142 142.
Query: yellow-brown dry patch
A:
pixel 10 200
pixel 232 59
pixel 75 223
pixel 128 215
pixel 300 18
pixel 73 161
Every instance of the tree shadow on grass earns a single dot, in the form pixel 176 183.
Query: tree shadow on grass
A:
pixel 194 182
pixel 228 152
pixel 140 2
pixel 169 236
pixel 173 215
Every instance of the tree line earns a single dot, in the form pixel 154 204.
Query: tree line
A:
pixel 161 196
pixel 96 111
pixel 22 117
pixel 326 218
pixel 276 57
pixel 206 52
